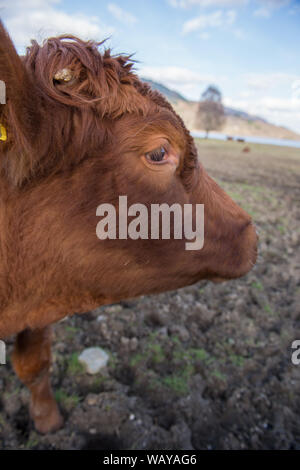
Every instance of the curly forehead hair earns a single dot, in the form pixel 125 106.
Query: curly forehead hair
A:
pixel 102 81
pixel 74 85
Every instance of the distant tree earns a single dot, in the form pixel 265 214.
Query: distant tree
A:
pixel 210 113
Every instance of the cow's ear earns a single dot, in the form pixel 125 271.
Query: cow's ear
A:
pixel 19 116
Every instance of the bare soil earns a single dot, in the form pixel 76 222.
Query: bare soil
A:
pixel 204 367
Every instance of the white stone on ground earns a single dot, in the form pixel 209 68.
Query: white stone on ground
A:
pixel 93 359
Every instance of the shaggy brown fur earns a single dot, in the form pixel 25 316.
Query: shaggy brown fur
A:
pixel 72 145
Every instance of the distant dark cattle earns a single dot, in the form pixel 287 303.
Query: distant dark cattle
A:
pixel 240 140
pixel 81 130
pixel 229 137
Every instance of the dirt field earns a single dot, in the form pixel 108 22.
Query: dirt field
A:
pixel 204 367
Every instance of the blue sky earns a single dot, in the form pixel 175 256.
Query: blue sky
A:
pixel 248 48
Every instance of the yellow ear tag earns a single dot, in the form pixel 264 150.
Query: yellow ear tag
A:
pixel 3 135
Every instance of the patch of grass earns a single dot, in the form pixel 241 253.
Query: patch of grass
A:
pixel 179 382
pixel 74 367
pixel 235 195
pixel 199 354
pixel 268 309
pixel 71 331
pixel 252 198
pixel 180 354
pixel 178 363
pixel 237 360
pixel 248 208
pixel 281 229
pixel 69 401
pixel 152 337
pixel 176 383
pixel 253 188
pixel 257 285
pixel 136 359
pixel 176 359
pixel 32 441
pixel 113 360
pixel 153 351
pixel 192 354
pixel 228 354
pixel 98 381
pixel 219 375
pixel 157 353
pixel 175 339
pixel 16 391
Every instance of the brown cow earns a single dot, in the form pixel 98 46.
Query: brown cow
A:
pixel 82 129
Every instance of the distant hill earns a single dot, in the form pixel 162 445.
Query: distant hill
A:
pixel 171 95
pixel 238 123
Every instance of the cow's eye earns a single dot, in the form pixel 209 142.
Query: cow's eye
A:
pixel 157 156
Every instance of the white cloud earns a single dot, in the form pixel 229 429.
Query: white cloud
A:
pixel 279 104
pixel 205 36
pixel 246 94
pixel 273 96
pixel 203 21
pixel 261 106
pixel 212 20
pixel 258 81
pixel 121 15
pixel 268 6
pixel 174 75
pixel 38 19
pixel 230 17
pixel 262 12
pixel 294 10
pixel 296 89
pixel 283 112
pixel 187 82
pixel 208 3
pixel 17 4
pixel 275 3
pixel 239 33
pixel 263 8
pixel 263 82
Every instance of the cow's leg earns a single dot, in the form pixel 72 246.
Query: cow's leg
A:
pixel 31 361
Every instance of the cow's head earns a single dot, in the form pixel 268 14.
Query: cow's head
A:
pixel 83 127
